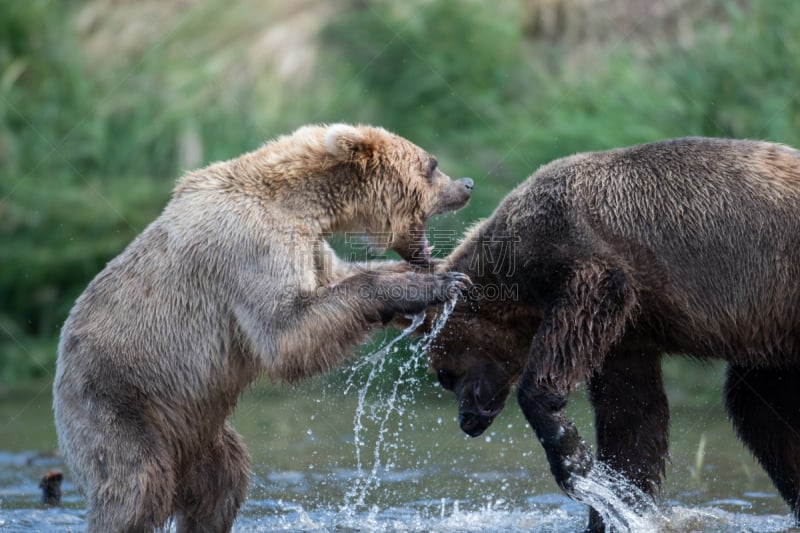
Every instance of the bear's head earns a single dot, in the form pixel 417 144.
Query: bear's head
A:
pixel 481 350
pixel 398 187
pixel 478 355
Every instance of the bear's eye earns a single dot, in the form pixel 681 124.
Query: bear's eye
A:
pixel 446 378
pixel 432 164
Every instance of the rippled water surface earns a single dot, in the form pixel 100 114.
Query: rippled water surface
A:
pixel 379 449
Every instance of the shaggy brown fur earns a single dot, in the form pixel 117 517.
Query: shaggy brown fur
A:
pixel 232 280
pixel 684 246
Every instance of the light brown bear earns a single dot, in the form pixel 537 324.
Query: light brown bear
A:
pixel 232 280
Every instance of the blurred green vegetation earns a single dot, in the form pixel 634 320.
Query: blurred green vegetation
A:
pixel 94 134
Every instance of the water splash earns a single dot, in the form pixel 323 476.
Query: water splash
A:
pixel 422 346
pixel 623 506
pixel 385 405
pixel 377 361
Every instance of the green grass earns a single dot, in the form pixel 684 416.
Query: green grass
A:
pixel 90 147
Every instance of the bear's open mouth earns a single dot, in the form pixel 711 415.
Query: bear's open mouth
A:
pixel 424 249
pixel 419 250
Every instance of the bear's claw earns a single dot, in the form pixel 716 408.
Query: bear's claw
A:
pixel 454 284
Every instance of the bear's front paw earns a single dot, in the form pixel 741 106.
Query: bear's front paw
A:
pixel 412 293
pixel 570 457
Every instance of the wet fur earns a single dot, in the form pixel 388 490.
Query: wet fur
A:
pixel 684 246
pixel 234 279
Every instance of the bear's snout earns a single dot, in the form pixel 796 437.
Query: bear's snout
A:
pixel 473 424
pixel 488 400
pixel 454 195
pixel 480 404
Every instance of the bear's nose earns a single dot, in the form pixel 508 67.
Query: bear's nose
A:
pixel 467 183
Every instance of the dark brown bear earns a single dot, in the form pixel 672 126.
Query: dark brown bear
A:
pixel 599 264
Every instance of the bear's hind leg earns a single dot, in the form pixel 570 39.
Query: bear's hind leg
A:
pixel 631 419
pixel 762 404
pixel 132 488
pixel 215 486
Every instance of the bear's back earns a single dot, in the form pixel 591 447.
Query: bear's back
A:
pixel 709 227
pixel 154 309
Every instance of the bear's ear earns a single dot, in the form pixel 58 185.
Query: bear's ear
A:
pixel 348 143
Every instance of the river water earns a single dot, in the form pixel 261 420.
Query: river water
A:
pixel 378 448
